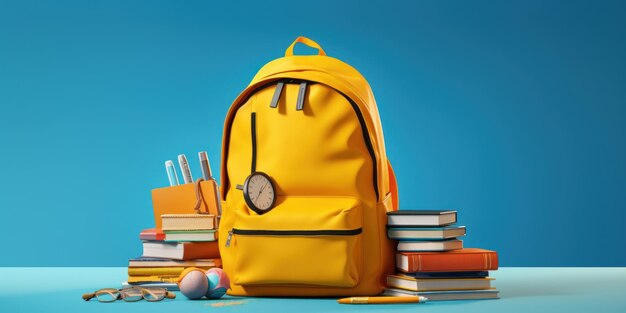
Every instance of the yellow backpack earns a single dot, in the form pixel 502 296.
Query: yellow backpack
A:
pixel 306 183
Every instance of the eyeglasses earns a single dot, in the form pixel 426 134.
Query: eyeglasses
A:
pixel 130 294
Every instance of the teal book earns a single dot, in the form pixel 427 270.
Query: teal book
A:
pixel 190 235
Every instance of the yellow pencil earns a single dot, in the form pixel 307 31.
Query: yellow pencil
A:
pixel 381 300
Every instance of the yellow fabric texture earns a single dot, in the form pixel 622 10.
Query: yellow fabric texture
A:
pixel 320 161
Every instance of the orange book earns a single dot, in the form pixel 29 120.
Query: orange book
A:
pixel 152 234
pixel 469 259
pixel 181 250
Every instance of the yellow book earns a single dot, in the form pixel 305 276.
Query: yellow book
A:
pixel 148 271
pixel 153 278
pixel 153 262
pixel 187 222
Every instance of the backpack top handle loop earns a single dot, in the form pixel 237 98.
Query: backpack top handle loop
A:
pixel 306 41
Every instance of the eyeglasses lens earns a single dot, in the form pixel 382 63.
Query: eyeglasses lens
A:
pixel 107 295
pixel 154 294
pixel 131 294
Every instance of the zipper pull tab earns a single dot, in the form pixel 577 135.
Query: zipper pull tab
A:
pixel 301 96
pixel 230 236
pixel 277 92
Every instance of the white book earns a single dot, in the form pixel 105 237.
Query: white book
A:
pixel 168 286
pixel 445 295
pixel 420 218
pixel 439 245
pixel 437 284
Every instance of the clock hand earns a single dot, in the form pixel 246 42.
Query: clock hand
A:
pixel 261 191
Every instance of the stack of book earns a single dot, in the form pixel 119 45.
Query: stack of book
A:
pixel 185 240
pixel 431 261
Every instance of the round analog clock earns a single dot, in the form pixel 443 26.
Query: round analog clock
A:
pixel 259 192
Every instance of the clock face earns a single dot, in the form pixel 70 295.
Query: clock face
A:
pixel 259 192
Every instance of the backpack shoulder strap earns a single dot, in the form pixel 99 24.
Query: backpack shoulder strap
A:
pixel 393 188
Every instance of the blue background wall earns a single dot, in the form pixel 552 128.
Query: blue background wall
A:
pixel 513 113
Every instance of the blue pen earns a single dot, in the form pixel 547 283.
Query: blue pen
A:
pixel 171 173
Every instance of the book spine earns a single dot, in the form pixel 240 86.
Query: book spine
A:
pixel 201 250
pixel 454 262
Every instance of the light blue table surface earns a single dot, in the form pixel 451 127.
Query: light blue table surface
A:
pixel 521 290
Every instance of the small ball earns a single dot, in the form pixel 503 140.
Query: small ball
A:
pixel 218 283
pixel 194 285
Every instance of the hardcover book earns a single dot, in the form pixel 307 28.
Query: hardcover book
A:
pixel 181 250
pixel 190 235
pixel 437 284
pixel 149 271
pixel 153 278
pixel 156 284
pixel 438 245
pixel 160 262
pixel 187 222
pixel 420 218
pixel 152 234
pixel 468 259
pixel 402 233
pixel 444 295
pixel 473 274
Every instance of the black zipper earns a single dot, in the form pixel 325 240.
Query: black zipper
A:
pixel 253 133
pixel 355 107
pixel 366 137
pixel 257 232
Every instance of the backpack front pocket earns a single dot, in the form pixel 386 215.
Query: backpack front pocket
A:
pixel 303 241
